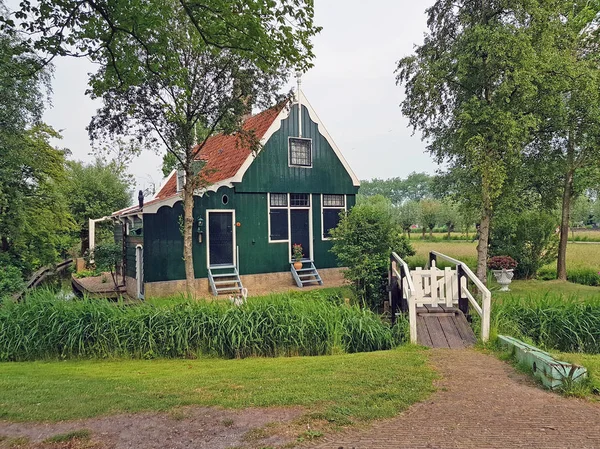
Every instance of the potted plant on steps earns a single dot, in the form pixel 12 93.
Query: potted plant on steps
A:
pixel 503 268
pixel 297 255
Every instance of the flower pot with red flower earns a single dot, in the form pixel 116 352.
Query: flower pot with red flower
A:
pixel 503 268
pixel 297 255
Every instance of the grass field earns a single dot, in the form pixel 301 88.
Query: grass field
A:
pixel 339 388
pixel 591 362
pixel 579 255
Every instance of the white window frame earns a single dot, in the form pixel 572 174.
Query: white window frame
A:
pixel 323 207
pixel 289 216
pixel 179 186
pixel 289 152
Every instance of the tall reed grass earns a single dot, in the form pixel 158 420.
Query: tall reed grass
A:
pixel 567 324
pixel 44 327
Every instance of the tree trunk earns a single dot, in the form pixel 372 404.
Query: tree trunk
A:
pixel 561 263
pixel 482 245
pixel 424 230
pixel 188 227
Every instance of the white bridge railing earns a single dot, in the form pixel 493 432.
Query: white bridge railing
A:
pixel 434 287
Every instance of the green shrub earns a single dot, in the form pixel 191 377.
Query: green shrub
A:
pixel 279 325
pixel 363 242
pixel 11 280
pixel 584 276
pixel 528 237
pixel 546 274
pixel 551 321
pixel 107 257
pixel 87 274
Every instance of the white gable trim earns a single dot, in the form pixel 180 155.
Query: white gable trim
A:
pixel 315 118
pixel 276 125
pixel 237 178
pixel 163 183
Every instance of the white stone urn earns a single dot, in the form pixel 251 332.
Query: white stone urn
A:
pixel 504 278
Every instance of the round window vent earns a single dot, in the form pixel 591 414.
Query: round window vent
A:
pixel 225 199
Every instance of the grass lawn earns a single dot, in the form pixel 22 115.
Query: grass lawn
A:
pixel 591 362
pixel 540 288
pixel 338 388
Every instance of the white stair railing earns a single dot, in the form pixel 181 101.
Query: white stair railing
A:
pixel 464 274
pixel 400 269
pixel 433 287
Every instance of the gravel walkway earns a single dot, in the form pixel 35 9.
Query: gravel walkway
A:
pixel 481 403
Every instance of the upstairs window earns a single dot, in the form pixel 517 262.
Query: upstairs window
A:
pixel 331 209
pixel 300 152
pixel 180 180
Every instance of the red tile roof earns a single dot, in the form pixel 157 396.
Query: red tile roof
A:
pixel 225 154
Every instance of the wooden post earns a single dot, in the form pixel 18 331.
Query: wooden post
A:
pixel 432 258
pixel 463 301
pixel 393 290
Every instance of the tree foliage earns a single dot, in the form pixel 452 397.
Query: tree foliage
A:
pixel 414 187
pixel 169 68
pixel 363 242
pixel 529 237
pixel 34 221
pixel 468 90
pixel 94 191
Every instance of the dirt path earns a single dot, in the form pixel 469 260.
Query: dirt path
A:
pixel 481 403
pixel 190 427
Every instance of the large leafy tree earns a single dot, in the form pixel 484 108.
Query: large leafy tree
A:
pixel 468 90
pixel 93 191
pixel 568 142
pixel 34 220
pixel 169 68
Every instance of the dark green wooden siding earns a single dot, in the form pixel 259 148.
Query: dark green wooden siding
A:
pixel 270 171
pixel 131 243
pixel 163 243
pixel 163 248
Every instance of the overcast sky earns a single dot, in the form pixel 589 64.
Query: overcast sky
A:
pixel 352 88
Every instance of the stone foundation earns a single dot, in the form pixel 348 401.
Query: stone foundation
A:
pixel 257 284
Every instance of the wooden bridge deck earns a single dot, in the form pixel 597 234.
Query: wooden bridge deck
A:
pixel 443 327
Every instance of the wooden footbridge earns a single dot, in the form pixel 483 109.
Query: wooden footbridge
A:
pixel 438 301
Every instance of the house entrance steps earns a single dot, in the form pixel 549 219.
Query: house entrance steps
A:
pixel 307 275
pixel 438 302
pixel 225 280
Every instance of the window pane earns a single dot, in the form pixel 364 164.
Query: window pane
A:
pixel 331 218
pixel 279 224
pixel 300 152
pixel 299 200
pixel 333 201
pixel 278 199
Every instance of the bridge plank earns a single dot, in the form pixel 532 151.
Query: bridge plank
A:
pixel 466 332
pixel 438 338
pixel 453 337
pixel 423 337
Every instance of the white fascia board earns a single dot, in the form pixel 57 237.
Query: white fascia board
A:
pixel 315 118
pixel 275 126
pixel 163 183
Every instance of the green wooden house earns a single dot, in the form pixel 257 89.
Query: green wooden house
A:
pixel 257 206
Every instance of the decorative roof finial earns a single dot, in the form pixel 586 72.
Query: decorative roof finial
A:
pixel 299 80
